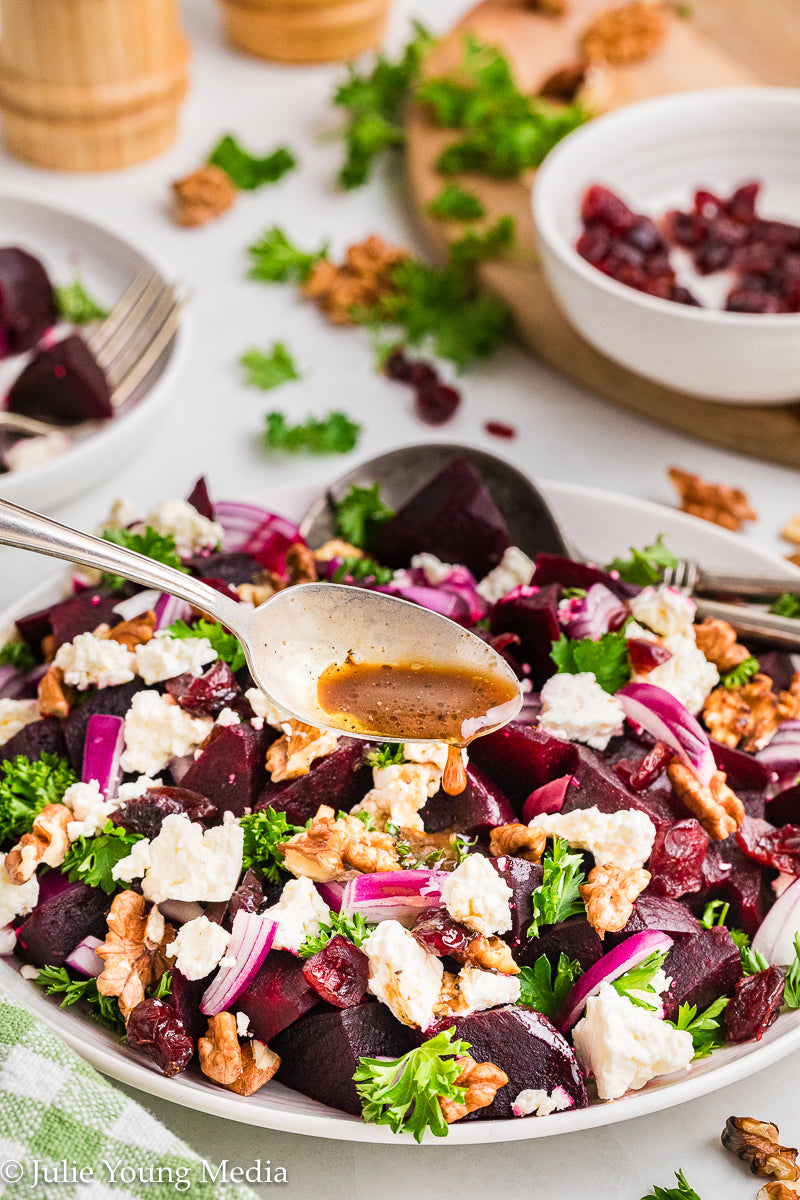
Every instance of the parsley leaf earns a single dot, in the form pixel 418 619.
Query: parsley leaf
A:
pixel 157 546
pixel 244 170
pixel 360 514
pixel 714 914
pixel 264 831
pixel 57 981
pixel 558 896
pixel 354 928
pixel 269 370
pixel 386 755
pixel 637 983
pixel 90 859
pixel 26 787
pixel 404 1092
pixel 738 676
pixel 681 1192
pixel 791 987
pixel 456 203
pixel 607 659
pixel 645 567
pixel 334 434
pixel 19 656
pixel 362 568
pixel 706 1030
pixel 473 247
pixel 226 644
pixel 275 260
pixel 76 306
pixel 786 605
pixel 162 988
pixel 544 990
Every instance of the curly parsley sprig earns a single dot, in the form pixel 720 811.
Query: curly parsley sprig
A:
pixel 264 832
pixel 91 860
pixel 26 787
pixel 354 928
pixel 558 896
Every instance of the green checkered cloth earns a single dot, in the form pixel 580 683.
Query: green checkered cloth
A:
pixel 55 1107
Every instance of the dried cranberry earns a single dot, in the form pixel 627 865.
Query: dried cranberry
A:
pixel 754 1006
pixel 742 204
pixel 713 256
pixel 646 655
pixel 682 295
pixel 396 366
pixel 601 205
pixel 500 429
pixel 777 233
pixel 641 775
pixel 339 972
pixel 707 205
pixel 422 374
pixel 771 847
pixel 676 861
pixel 436 930
pixel 248 897
pixel 145 814
pixel 743 301
pixel 436 402
pixel 685 229
pixel 593 245
pixel 155 1028
pixel 728 233
pixel 644 234
pixel 209 693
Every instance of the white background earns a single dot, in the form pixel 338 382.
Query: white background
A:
pixel 212 426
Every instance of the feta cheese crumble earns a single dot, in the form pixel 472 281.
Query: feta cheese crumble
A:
pixel 514 570
pixel 486 989
pixel 164 657
pixel 185 862
pixel 664 609
pixel 91 660
pixel 619 839
pixel 264 708
pixel 576 708
pixel 625 1046
pixel 298 914
pixel 132 791
pixel 15 715
pixel 537 1102
pixel 16 900
pixel 157 731
pixel 434 570
pixel 399 792
pixel 402 975
pixel 180 520
pixel 89 809
pixel 198 947
pixel 242 1025
pixel 33 451
pixel 478 897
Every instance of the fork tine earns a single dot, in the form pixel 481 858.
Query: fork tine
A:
pixel 147 359
pixel 137 332
pixel 101 336
pixel 131 318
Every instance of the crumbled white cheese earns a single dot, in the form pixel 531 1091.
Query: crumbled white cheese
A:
pixel 132 791
pixel 434 570
pixel 576 708
pixel 402 975
pixel 242 1024
pixel 486 989
pixel 625 1046
pixel 91 660
pixel 620 839
pixel 264 708
pixel 16 900
pixel 478 897
pixel 164 657
pixel 514 570
pixel 123 513
pixel 15 715
pixel 665 610
pixel 400 791
pixel 298 914
pixel 33 451
pixel 228 717
pixel 185 862
pixel 427 752
pixel 198 947
pixel 180 520
pixel 688 675
pixel 88 807
pixel 536 1102
pixel 157 731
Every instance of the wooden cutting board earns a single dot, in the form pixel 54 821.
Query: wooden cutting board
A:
pixel 722 43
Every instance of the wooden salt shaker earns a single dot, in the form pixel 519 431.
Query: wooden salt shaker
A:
pixel 305 31
pixel 90 85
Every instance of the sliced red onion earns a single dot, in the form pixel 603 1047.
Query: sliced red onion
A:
pixel 180 912
pixel 251 939
pixel 657 711
pixel 257 532
pixel 332 894
pixel 393 895
pixel 105 741
pixel 622 958
pixel 14 685
pixel 459 582
pixel 776 933
pixel 134 606
pixel 445 603
pixel 547 799
pixel 84 960
pixel 592 615
pixel 169 609
pixel 782 753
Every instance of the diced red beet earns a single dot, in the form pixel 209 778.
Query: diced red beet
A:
pixel 652 911
pixel 525 1045
pixel 340 779
pixel 745 774
pixel 320 1052
pixel 533 615
pixel 770 847
pixel 454 517
pixel 115 701
pixel 231 770
pixel 200 499
pixel 52 931
pixel 210 692
pixel 145 814
pixel 783 809
pixel 436 931
pixel 755 1005
pixel 277 995
pixel 643 773
pixel 34 740
pixel 184 996
pixel 554 568
pixel 27 301
pixel 231 566
pixel 600 786
pixel 64 384
pixel 574 937
pixel 779 666
pixel 523 878
pixel 676 861
pixel 155 1030
pixel 735 879
pixel 520 757
pixel 480 807
pixel 66 619
pixel 339 973
pixel 701 968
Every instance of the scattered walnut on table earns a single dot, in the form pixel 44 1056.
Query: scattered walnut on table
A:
pixel 717 808
pixel 778 1191
pixel 329 848
pixel 628 33
pixel 293 753
pixel 716 502
pixel 46 843
pixel 718 642
pixel 521 841
pixel 134 951
pixel 55 696
pixel 202 196
pixel 757 1143
pixel 482 1081
pixel 609 894
pixel 791 531
pixel 361 281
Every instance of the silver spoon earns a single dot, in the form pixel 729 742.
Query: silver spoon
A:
pixel 291 638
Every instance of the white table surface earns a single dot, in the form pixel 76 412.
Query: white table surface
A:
pixel 213 426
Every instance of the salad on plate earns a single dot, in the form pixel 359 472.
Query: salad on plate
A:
pixel 612 893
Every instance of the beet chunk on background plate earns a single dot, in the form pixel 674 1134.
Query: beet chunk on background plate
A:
pixel 701 968
pixel 27 301
pixel 533 617
pixel 63 384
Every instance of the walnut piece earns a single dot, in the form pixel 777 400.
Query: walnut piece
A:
pixel 717 640
pixel 626 34
pixel 46 843
pixel 482 1081
pixel 779 1191
pixel 328 848
pixel 362 280
pixel 134 950
pixel 55 696
pixel 747 716
pixel 716 502
pixel 202 196
pixel 257 593
pixel 300 566
pixel 219 1051
pixel 132 633
pixel 259 1064
pixel 717 808
pixel 491 954
pixel 758 1144
pixel 292 754
pixel 521 841
pixel 336 548
pixel 450 1002
pixel 609 893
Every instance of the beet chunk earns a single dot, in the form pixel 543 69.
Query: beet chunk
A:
pixel 34 740
pixel 520 758
pixel 200 499
pixel 701 968
pixel 145 814
pixel 532 615
pixel 184 997
pixel 525 1045
pixel 553 568
pixel 454 517
pixel 115 701
pixel 676 862
pixel 523 878
pixel 68 618
pixel 248 897
pixel 476 810
pixel 231 770
pixel 27 301
pixel 755 1005
pixel 231 566
pixel 155 1028
pixel 210 692
pixel 277 996
pixel 652 911
pixel 732 877
pixel 574 937
pixel 320 1052
pixel 784 809
pixel 340 779
pixel 64 384
pixel 52 931
pixel 339 972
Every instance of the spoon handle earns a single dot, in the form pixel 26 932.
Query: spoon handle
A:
pixel 32 531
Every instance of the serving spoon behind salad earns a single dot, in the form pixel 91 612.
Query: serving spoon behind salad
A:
pixel 316 634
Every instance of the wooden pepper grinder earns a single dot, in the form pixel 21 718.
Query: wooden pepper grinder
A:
pixel 90 85
pixel 305 31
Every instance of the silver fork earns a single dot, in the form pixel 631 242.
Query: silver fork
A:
pixel 689 577
pixel 127 346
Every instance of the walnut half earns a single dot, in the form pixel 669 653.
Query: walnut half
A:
pixel 482 1081
pixel 609 893
pixel 717 808
pixel 134 951
pixel 757 1143
pixel 46 843
pixel 521 841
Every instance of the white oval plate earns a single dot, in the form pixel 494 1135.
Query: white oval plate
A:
pixel 602 524
pixel 108 260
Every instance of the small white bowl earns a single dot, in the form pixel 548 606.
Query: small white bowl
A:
pixel 655 155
